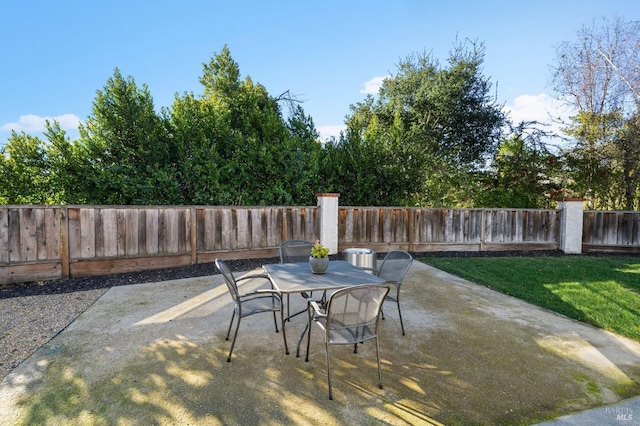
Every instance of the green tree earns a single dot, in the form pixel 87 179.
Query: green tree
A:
pixel 67 166
pixel 42 172
pixel 371 165
pixel 629 157
pixel 523 175
pixel 236 145
pixel 599 75
pixel 24 171
pixel 429 126
pixel 131 158
pixel 199 129
pixel 302 159
pixel 590 164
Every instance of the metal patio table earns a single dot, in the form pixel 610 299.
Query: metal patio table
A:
pixel 290 278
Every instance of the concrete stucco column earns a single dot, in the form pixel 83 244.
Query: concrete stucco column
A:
pixel 571 226
pixel 328 204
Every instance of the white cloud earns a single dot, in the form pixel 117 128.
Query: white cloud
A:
pixel 372 86
pixel 34 123
pixel 542 108
pixel 332 130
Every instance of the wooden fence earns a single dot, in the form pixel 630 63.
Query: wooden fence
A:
pixel 44 243
pixel 422 230
pixel 53 242
pixel 611 231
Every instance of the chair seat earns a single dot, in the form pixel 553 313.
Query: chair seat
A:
pixel 350 335
pixel 256 304
pixel 343 332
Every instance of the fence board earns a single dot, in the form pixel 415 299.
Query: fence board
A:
pixel 121 232
pixel 274 219
pixel 130 232
pixel 184 236
pixel 108 232
pixel 28 241
pixel 218 224
pixel 40 234
pixel 49 226
pixel 73 220
pixel 151 236
pixel 142 232
pixel 228 230
pixel 4 235
pixel 243 229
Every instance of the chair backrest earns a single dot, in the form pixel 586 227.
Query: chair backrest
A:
pixel 352 313
pixel 229 279
pixel 395 266
pixel 292 251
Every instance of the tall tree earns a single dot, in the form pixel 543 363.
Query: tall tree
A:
pixel 42 172
pixel 239 148
pixel 630 159
pixel 24 171
pixel 199 129
pixel 428 126
pixel 599 75
pixel 523 175
pixel 129 153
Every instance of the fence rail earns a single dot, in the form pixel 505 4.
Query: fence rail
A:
pixel 53 242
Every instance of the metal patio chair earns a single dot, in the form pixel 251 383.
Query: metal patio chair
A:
pixel 294 251
pixel 251 303
pixel 351 316
pixel 393 269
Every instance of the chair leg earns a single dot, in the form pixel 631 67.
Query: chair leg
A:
pixel 275 321
pixel 233 342
pixel 379 367
pixel 306 357
pixel 399 311
pixel 400 315
pixel 230 324
pixel 329 370
pixel 284 334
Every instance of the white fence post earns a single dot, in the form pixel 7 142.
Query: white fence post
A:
pixel 328 204
pixel 571 226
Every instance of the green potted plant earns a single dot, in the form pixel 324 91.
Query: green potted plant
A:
pixel 319 259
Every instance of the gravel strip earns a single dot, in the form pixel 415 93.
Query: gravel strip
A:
pixel 29 322
pixel 32 314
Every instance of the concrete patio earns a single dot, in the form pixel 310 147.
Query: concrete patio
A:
pixel 156 354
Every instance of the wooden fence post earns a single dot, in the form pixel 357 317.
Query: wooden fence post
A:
pixel 328 204
pixel 571 225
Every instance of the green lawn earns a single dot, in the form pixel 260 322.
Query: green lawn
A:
pixel 602 291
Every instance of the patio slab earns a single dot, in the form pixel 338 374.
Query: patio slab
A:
pixel 155 353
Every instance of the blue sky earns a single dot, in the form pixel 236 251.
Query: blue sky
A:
pixel 57 54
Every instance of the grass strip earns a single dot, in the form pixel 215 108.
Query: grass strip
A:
pixel 601 291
